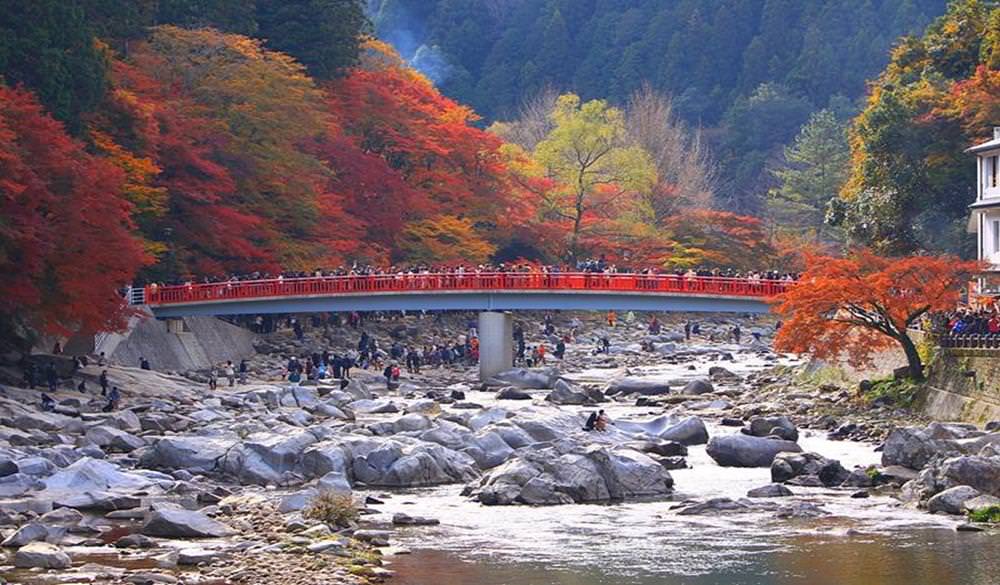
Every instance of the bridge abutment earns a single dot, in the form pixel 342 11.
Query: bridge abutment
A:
pixel 496 350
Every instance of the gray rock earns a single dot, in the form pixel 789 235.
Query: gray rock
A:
pixel 540 379
pixel 773 490
pixel 764 426
pixel 33 532
pixel 952 500
pixel 178 523
pixel 786 466
pixel 512 394
pixel 114 439
pixel 698 386
pixel 89 474
pixel 690 431
pixel 41 555
pixel 195 453
pixel 637 386
pixel 401 519
pixel 566 393
pixel 592 474
pixel 748 451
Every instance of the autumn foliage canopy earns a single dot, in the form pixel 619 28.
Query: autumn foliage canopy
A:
pixel 856 306
pixel 210 153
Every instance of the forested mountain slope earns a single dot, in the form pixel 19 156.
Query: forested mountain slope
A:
pixel 712 56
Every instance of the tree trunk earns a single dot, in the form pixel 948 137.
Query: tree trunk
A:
pixel 912 357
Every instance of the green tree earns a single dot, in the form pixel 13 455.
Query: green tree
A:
pixel 49 46
pixel 590 158
pixel 815 169
pixel 324 35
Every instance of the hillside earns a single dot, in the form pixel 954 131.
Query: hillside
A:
pixel 713 57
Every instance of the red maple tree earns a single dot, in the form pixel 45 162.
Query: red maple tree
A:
pixel 864 303
pixel 66 242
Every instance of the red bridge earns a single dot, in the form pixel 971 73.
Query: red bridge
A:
pixel 470 291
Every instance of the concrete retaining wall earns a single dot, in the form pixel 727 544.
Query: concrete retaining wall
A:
pixel 200 343
pixel 954 393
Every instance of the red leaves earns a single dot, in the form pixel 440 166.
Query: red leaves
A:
pixel 863 303
pixel 65 235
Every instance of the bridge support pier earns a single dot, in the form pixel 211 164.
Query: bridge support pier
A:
pixel 496 351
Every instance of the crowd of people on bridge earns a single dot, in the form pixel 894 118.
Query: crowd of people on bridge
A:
pixel 590 266
pixel 965 327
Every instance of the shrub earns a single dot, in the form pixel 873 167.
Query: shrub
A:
pixel 332 508
pixel 902 393
pixel 987 514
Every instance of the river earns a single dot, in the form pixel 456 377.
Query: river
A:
pixel 861 542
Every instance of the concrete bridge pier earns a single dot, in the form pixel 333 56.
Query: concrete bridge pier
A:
pixel 496 350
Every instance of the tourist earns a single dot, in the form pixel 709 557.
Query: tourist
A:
pixel 606 344
pixel 57 349
pixel 612 318
pixel 591 422
pixel 82 386
pixel 101 360
pixel 113 397
pixel 213 378
pixel 48 405
pixel 540 350
pixel 654 326
pixel 560 349
pixel 143 364
pixel 230 372
pixel 51 376
pixel 687 331
pixel 103 380
pixel 601 424
pixel 31 376
pixel 736 333
pixel 244 370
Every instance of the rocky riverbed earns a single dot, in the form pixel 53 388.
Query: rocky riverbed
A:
pixel 183 484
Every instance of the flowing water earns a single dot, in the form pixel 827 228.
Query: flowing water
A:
pixel 869 541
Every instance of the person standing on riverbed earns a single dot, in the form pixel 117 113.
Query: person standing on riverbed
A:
pixel 230 372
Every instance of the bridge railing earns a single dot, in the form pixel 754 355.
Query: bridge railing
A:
pixel 493 281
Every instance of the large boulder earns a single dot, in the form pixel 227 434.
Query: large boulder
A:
pixel 179 523
pixel 566 393
pixel 787 466
pixel 748 451
pixel 952 500
pixel 771 490
pixel 41 555
pixel 114 439
pixel 688 431
pixel 267 458
pixel 981 473
pixel 915 448
pixel 539 379
pixel 592 474
pixel 194 453
pixel 766 426
pixel 637 386
pixel 88 474
pixel 388 463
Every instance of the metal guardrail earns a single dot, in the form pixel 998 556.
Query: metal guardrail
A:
pixel 428 283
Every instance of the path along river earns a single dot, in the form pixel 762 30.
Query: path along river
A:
pixel 872 541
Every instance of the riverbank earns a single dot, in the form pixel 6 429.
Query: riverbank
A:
pixel 206 486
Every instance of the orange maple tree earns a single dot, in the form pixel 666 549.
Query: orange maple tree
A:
pixel 865 303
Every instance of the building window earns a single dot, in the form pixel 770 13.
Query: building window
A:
pixel 996 236
pixel 994 161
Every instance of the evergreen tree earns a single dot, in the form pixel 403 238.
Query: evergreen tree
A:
pixel 815 169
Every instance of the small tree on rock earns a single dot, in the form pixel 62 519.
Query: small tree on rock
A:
pixel 865 303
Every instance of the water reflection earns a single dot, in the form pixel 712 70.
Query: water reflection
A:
pixel 927 557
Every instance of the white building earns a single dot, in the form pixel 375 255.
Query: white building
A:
pixel 985 217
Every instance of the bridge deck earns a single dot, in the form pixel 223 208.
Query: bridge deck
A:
pixel 484 291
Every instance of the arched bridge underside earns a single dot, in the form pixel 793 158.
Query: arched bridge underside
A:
pixel 483 292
